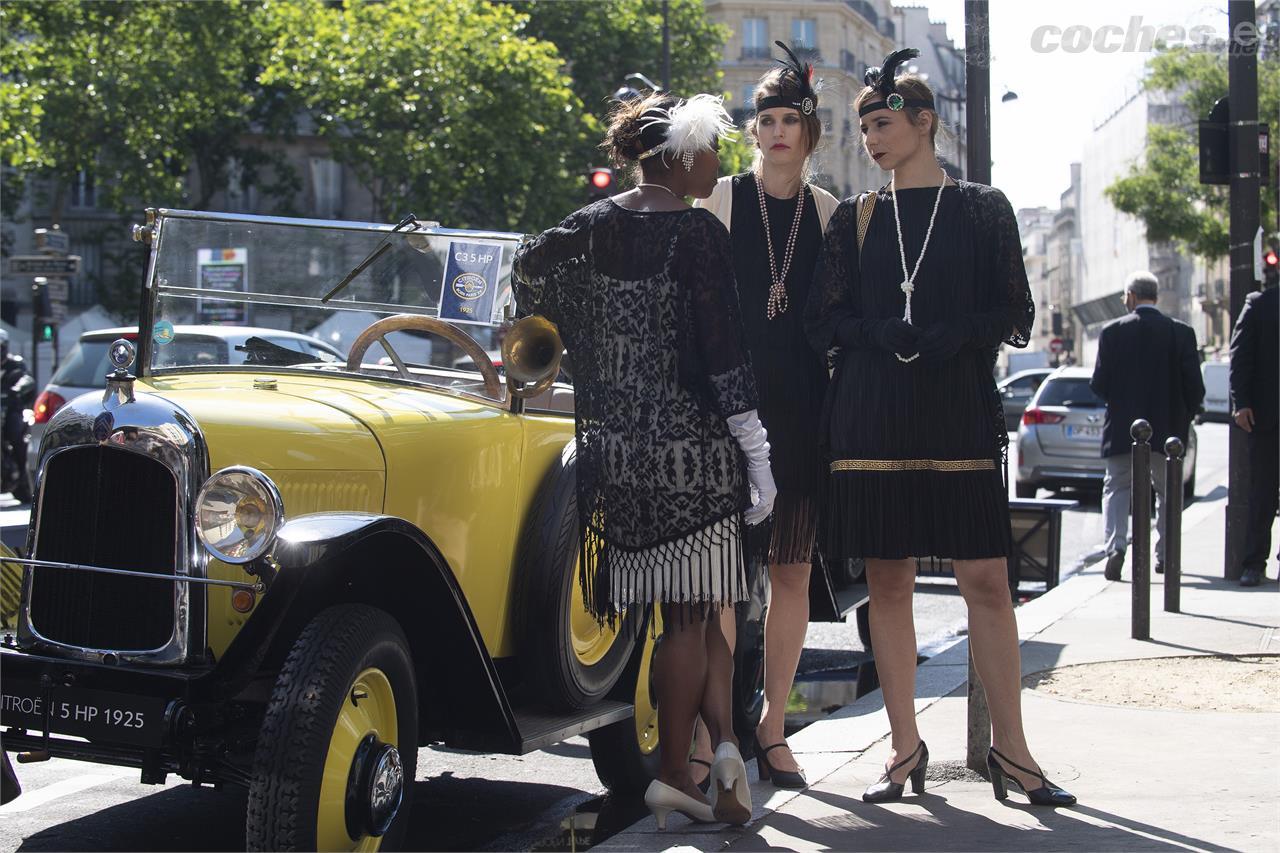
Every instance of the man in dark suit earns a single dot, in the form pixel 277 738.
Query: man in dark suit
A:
pixel 1148 366
pixel 1255 385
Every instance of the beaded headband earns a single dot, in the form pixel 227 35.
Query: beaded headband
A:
pixel 806 100
pixel 882 80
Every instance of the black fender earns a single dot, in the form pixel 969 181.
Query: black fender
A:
pixel 343 557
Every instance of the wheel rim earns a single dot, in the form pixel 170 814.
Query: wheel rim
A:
pixel 646 717
pixel 368 710
pixel 591 641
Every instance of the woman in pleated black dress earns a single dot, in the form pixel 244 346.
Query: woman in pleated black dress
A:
pixel 913 427
pixel 776 218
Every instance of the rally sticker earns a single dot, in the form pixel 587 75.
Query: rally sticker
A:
pixel 470 282
pixel 162 332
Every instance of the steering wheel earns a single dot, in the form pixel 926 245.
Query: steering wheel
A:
pixel 378 331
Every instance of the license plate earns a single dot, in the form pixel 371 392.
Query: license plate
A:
pixel 99 715
pixel 1084 432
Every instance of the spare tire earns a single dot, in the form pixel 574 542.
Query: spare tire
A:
pixel 569 660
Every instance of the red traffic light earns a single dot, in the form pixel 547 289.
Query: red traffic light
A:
pixel 601 179
pixel 1270 259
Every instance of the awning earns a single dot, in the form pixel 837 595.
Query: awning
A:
pixel 1100 310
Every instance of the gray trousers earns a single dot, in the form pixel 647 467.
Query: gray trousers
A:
pixel 1117 497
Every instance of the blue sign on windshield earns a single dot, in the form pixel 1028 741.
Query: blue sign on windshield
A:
pixel 470 282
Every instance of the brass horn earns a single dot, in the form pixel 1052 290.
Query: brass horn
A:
pixel 531 353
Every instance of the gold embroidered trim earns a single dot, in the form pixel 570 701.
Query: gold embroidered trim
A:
pixel 913 465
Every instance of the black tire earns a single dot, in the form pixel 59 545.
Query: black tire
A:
pixel 1025 490
pixel 625 753
pixel 312 690
pixel 568 661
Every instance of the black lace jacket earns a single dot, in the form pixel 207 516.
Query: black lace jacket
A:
pixel 647 307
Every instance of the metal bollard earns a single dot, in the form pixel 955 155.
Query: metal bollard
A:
pixel 1141 526
pixel 1171 536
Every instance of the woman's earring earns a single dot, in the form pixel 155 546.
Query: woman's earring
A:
pixel 687 157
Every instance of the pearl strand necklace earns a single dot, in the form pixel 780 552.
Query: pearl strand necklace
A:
pixel 777 303
pixel 908 285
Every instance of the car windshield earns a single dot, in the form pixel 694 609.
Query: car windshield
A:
pixel 233 291
pixel 86 366
pixel 1071 392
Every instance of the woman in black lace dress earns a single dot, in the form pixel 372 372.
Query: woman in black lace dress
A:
pixel 776 219
pixel 669 444
pixel 913 426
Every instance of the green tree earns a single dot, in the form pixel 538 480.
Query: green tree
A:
pixel 444 108
pixel 1163 189
pixel 604 40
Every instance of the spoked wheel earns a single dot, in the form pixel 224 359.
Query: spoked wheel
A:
pixel 337 752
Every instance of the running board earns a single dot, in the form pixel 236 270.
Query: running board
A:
pixel 539 729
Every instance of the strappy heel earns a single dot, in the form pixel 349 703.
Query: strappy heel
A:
pixel 705 785
pixel 887 789
pixel 1048 794
pixel 788 779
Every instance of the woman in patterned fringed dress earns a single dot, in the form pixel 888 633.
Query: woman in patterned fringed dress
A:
pixel 918 285
pixel 669 444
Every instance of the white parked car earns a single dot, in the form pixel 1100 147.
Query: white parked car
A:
pixel 1217 390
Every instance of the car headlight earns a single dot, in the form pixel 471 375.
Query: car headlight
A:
pixel 238 513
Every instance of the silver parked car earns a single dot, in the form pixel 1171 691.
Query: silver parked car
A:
pixel 85 367
pixel 1060 437
pixel 1017 389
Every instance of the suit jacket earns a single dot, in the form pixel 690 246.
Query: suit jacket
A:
pixel 1148 366
pixel 1255 358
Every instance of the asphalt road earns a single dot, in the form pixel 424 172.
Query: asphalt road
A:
pixel 465 801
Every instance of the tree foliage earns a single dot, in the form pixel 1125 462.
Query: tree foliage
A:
pixel 445 108
pixel 1163 189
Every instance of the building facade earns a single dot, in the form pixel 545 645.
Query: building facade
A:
pixel 841 39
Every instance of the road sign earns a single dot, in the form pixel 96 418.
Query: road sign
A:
pixel 43 265
pixel 59 289
pixel 1056 346
pixel 53 241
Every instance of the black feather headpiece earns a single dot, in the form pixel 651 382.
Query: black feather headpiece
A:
pixel 806 99
pixel 882 80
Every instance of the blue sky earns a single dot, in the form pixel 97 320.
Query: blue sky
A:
pixel 1062 95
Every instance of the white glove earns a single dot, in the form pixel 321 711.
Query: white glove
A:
pixel 753 440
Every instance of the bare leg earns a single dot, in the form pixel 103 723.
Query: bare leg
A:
pixel 993 635
pixel 680 680
pixel 717 696
pixel 785 626
pixel 893 633
pixel 703 746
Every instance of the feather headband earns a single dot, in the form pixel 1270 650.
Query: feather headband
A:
pixel 882 80
pixel 806 100
pixel 691 126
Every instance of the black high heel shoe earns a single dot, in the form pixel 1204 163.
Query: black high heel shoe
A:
pixel 705 785
pixel 789 779
pixel 887 789
pixel 1048 794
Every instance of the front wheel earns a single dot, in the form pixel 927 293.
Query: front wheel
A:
pixel 338 748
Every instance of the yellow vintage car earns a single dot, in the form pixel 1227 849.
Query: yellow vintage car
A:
pixel 288 571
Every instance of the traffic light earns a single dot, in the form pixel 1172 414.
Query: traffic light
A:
pixel 46 332
pixel 600 183
pixel 1270 268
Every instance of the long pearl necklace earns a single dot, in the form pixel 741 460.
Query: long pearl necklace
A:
pixel 909 279
pixel 777 303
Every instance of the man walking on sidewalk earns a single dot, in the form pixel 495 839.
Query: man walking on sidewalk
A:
pixel 1148 367
pixel 1255 385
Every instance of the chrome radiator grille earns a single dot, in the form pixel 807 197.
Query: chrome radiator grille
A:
pixel 106 507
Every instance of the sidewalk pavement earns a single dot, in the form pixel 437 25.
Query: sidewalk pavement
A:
pixel 1146 778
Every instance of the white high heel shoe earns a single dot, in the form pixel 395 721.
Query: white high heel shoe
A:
pixel 662 800
pixel 730 793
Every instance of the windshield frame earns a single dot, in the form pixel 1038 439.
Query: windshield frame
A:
pixel 151 292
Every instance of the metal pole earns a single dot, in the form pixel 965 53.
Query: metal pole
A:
pixel 977 84
pixel 1242 145
pixel 1141 524
pixel 1172 534
pixel 666 47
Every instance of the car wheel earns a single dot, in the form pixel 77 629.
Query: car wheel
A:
pixel 338 748
pixel 1025 490
pixel 570 661
pixel 625 753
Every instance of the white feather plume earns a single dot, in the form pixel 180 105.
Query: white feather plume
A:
pixel 694 124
